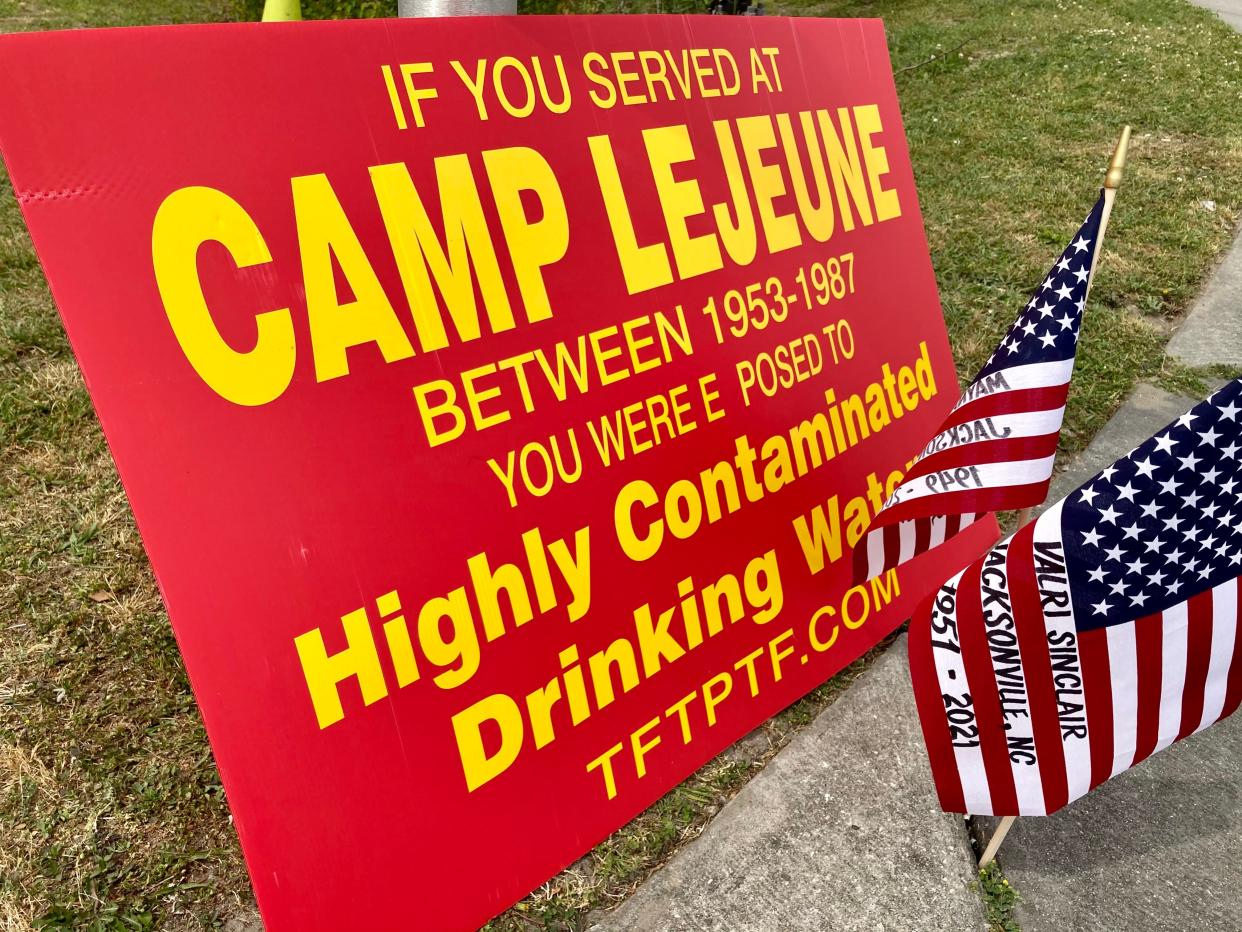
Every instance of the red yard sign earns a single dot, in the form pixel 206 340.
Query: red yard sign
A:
pixel 499 402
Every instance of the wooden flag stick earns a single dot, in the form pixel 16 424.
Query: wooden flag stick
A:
pixel 994 842
pixel 1112 181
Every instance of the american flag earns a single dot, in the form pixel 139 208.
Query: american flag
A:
pixel 996 449
pixel 1095 636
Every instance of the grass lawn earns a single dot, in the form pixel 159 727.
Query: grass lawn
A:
pixel 1010 130
pixel 111 811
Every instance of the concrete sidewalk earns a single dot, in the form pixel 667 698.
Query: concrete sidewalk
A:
pixel 1156 849
pixel 840 833
pixel 1211 334
pixel 1212 331
pixel 1228 10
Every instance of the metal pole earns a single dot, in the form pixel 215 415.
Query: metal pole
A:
pixel 418 8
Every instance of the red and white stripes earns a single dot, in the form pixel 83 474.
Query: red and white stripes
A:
pixel 994 452
pixel 1023 711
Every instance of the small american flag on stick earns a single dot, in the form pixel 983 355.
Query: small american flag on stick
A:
pixel 1095 636
pixel 996 449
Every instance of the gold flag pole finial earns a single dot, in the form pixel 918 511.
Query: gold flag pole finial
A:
pixel 1112 179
